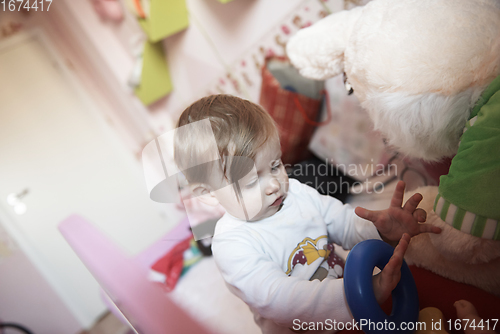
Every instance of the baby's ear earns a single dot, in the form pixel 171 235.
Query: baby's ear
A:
pixel 318 51
pixel 204 193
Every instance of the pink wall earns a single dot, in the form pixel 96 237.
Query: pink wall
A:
pixel 26 298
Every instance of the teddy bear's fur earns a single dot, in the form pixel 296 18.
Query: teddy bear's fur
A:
pixel 454 254
pixel 418 67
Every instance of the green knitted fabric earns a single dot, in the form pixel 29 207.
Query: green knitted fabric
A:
pixel 473 181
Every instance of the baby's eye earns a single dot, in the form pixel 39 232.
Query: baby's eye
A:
pixel 251 184
pixel 277 165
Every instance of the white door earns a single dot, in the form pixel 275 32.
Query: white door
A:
pixel 57 147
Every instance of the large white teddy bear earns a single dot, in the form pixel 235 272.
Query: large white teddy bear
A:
pixel 427 72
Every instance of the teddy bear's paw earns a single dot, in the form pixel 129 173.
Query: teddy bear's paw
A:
pixel 452 244
pixel 456 245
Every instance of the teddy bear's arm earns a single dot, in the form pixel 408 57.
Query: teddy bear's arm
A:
pixel 318 51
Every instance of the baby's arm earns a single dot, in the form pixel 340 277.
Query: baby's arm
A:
pixel 262 284
pixel 396 220
pixel 344 227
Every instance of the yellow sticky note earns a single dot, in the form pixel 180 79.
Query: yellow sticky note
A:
pixel 155 76
pixel 166 17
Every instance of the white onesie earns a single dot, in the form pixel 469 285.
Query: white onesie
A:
pixel 269 263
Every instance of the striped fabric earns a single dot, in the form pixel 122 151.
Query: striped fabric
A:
pixel 466 221
pixel 474 175
pixel 469 123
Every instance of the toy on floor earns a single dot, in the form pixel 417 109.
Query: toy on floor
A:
pixel 427 71
pixel 169 268
pixel 434 321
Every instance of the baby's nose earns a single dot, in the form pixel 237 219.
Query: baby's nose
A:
pixel 273 186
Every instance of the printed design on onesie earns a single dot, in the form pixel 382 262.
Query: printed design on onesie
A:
pixel 318 255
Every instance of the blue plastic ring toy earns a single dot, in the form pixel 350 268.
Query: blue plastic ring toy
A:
pixel 358 287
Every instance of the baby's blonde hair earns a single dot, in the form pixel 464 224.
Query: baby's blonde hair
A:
pixel 239 126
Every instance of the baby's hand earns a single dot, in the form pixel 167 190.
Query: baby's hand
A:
pixel 385 281
pixel 396 220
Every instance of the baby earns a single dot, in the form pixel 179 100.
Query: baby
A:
pixel 274 246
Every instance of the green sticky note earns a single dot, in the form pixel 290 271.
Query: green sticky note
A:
pixel 166 17
pixel 155 76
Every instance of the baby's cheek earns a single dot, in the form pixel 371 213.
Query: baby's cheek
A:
pixel 283 179
pixel 252 199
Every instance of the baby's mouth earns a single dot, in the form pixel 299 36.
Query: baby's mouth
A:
pixel 278 201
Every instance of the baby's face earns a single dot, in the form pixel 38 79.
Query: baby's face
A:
pixel 263 189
